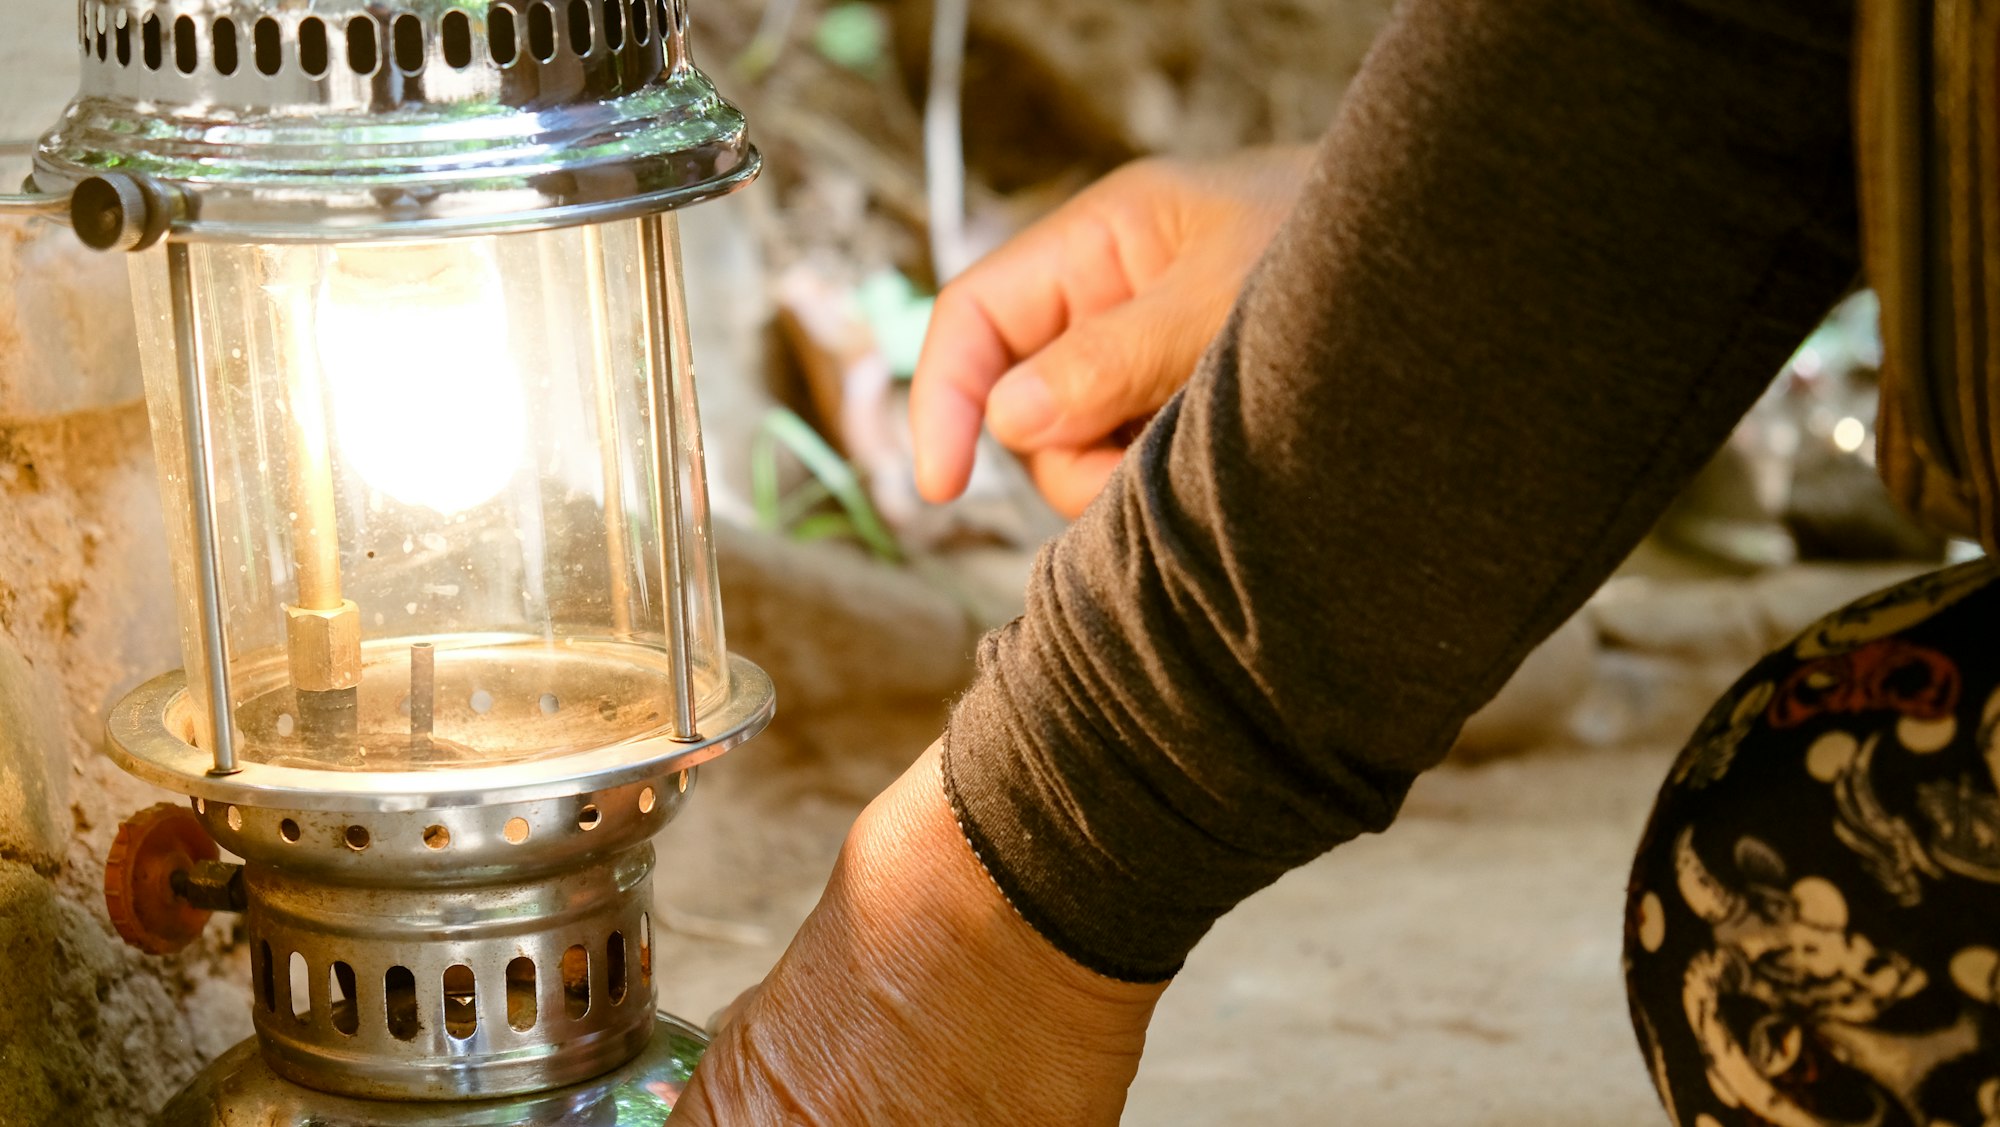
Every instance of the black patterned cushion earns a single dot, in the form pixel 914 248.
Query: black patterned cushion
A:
pixel 1813 928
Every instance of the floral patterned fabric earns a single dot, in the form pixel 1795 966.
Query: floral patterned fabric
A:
pixel 1813 927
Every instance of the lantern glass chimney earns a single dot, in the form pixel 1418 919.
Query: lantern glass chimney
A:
pixel 439 504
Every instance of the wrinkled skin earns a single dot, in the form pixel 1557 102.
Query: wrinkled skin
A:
pixel 914 995
pixel 1081 327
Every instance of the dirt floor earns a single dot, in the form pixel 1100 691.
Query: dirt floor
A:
pixel 1462 968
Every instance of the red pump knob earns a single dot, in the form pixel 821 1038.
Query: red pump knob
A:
pixel 151 847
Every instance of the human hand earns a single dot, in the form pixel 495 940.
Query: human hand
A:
pixel 1087 322
pixel 914 994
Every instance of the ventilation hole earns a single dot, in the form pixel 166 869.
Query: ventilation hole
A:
pixel 407 35
pixel 285 724
pixel 267 977
pixel 579 27
pixel 549 704
pixel 516 831
pixel 149 42
pixel 299 987
pixel 500 36
pixel 184 53
pixel 234 817
pixel 614 967
pixel 200 806
pixel 681 782
pixel 223 35
pixel 666 20
pixel 289 830
pixel 457 35
pixel 267 44
pixel 312 46
pixel 123 37
pixel 645 947
pixel 482 701
pixel 576 981
pixel 357 838
pixel 588 817
pixel 521 994
pixel 340 996
pixel 363 45
pixel 399 1002
pixel 614 26
pixel 461 1002
pixel 103 45
pixel 640 34
pixel 646 800
pixel 542 33
pixel 436 837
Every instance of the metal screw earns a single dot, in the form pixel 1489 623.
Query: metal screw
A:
pixel 119 212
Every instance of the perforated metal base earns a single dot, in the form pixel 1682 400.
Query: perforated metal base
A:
pixel 414 937
pixel 240 1089
pixel 438 992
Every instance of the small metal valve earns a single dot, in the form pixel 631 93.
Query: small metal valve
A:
pixel 164 878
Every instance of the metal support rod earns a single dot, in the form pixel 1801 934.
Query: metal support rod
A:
pixel 201 498
pixel 423 694
pixel 665 302
pixel 51 205
pixel 322 628
pixel 315 542
pixel 618 559
pixel 46 205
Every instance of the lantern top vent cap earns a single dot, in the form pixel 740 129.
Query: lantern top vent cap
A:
pixel 284 121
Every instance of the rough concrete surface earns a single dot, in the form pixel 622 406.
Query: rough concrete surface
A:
pixel 1462 968
pixel 91 1032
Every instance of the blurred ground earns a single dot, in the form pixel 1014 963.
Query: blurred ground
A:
pixel 1461 968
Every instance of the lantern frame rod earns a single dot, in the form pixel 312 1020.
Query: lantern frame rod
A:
pixel 53 205
pixel 664 303
pixel 201 496
pixel 49 205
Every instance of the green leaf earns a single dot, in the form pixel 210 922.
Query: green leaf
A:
pixel 852 35
pixel 833 476
pixel 824 526
pixel 898 315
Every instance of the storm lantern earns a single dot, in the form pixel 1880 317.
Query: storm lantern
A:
pixel 408 285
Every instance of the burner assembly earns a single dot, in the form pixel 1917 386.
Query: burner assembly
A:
pixel 415 339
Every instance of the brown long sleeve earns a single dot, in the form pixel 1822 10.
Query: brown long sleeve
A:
pixel 1551 251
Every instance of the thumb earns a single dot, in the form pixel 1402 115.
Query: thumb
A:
pixel 1104 372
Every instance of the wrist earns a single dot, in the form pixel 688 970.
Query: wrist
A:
pixel 907 850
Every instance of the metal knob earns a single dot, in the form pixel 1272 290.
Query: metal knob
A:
pixel 119 212
pixel 160 851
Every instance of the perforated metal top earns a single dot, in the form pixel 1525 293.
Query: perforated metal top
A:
pixel 328 119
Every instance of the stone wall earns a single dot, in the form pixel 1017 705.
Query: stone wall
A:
pixel 91 1031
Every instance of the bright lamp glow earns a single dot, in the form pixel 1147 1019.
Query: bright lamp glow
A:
pixel 1849 433
pixel 427 402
